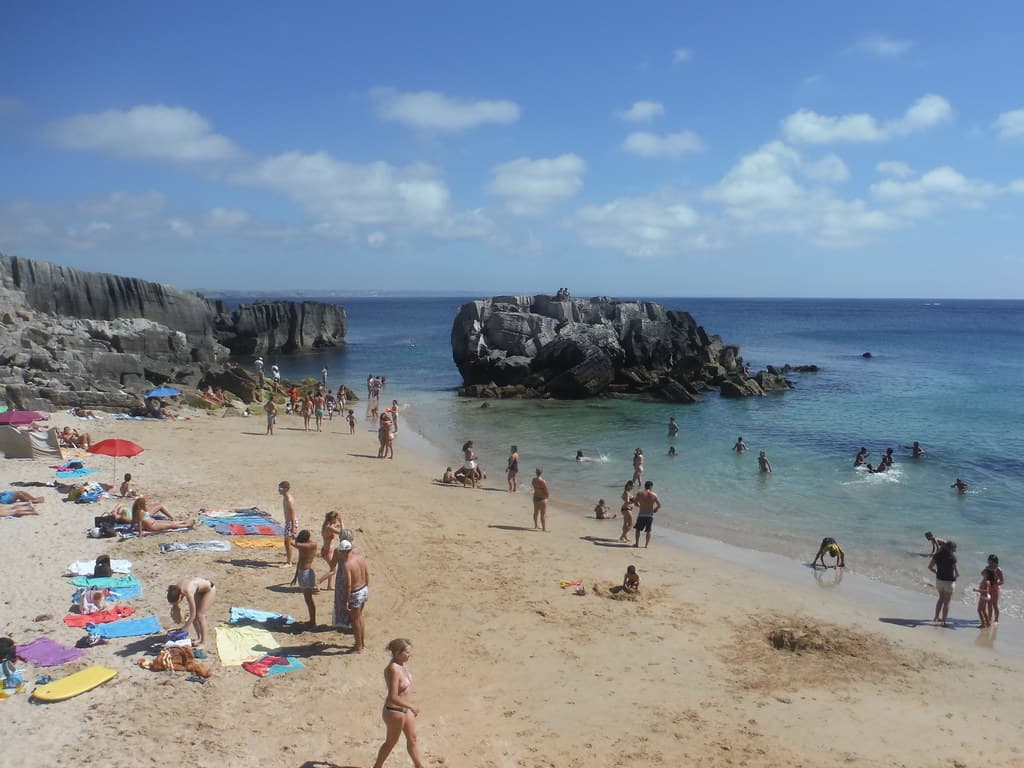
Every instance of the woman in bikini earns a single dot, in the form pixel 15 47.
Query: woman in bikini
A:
pixel 146 519
pixel 330 531
pixel 627 510
pixel 399 713
pixel 198 594
pixel 513 469
pixel 638 466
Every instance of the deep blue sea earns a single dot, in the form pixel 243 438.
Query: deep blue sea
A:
pixel 949 374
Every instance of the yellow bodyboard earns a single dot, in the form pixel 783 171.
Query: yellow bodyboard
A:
pixel 72 685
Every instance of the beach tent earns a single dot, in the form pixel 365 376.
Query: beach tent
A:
pixel 16 444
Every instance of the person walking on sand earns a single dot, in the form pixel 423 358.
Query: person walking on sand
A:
pixel 943 565
pixel 271 416
pixel 198 594
pixel 399 714
pixel 513 469
pixel 541 492
pixel 995 577
pixel 763 465
pixel 291 526
pixel 319 407
pixel 330 531
pixel 353 565
pixel 647 503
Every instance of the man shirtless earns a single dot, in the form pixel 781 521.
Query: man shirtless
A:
pixel 648 503
pixel 352 564
pixel 291 525
pixel 541 492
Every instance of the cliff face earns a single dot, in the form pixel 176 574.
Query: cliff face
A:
pixel 69 292
pixel 536 346
pixel 285 326
pixel 73 338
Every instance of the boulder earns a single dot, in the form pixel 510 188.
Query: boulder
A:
pixel 575 348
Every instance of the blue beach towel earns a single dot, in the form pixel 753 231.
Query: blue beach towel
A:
pixel 117 595
pixel 82 472
pixel 113 582
pixel 256 616
pixel 127 628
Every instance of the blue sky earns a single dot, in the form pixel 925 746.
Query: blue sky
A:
pixel 725 149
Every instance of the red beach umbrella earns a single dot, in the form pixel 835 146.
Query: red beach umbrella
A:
pixel 15 418
pixel 117 448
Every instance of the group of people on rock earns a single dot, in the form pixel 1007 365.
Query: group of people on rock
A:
pixel 562 294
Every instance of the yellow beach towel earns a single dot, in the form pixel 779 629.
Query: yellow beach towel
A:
pixel 238 644
pixel 257 542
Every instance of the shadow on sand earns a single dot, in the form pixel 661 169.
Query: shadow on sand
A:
pixel 512 528
pixel 914 623
pixel 248 563
pixel 601 542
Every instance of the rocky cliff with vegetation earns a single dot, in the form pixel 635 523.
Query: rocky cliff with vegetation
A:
pixel 538 346
pixel 75 338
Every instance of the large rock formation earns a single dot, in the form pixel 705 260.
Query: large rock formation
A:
pixel 73 338
pixel 537 346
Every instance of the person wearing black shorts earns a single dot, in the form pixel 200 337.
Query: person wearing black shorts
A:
pixel 648 503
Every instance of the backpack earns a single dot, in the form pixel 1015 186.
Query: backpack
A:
pixel 102 567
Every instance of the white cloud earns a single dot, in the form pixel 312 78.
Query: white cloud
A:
pixel 670 144
pixel 433 110
pixel 643 227
pixel 1010 125
pixel 181 228
pixel 642 112
pixel 761 194
pixel 896 168
pixel 532 187
pixel 830 168
pixel 681 55
pixel 940 187
pixel 808 127
pixel 154 132
pixel 226 218
pixel 885 47
pixel 376 239
pixel 1016 187
pixel 342 195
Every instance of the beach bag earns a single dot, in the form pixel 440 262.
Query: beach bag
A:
pixel 107 529
pixel 104 520
pixel 102 567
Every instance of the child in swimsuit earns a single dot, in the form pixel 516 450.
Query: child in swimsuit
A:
pixel 9 660
pixel 329 532
pixel 304 573
pixel 984 600
pixel 601 511
pixel 994 583
pixel 631 581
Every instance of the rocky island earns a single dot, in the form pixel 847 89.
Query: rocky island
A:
pixel 539 346
pixel 92 340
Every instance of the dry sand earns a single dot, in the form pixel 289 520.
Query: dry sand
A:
pixel 510 669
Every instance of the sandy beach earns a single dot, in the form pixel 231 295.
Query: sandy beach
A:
pixel 510 669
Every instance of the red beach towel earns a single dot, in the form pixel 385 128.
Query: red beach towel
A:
pixel 262 666
pixel 101 617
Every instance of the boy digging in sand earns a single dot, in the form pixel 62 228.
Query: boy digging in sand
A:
pixel 631 581
pixel 304 573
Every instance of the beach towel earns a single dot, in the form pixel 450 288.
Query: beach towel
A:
pixel 256 616
pixel 85 567
pixel 73 473
pixel 127 628
pixel 125 416
pixel 114 582
pixel 119 595
pixel 269 666
pixel 239 512
pixel 195 546
pixel 44 652
pixel 128 533
pixel 260 543
pixel 100 617
pixel 236 645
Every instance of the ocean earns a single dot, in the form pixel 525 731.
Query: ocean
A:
pixel 947 373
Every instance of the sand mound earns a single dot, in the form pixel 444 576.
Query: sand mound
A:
pixel 616 592
pixel 772 651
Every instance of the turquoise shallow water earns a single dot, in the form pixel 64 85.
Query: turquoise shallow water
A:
pixel 946 373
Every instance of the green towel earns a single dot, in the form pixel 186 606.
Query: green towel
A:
pixel 113 582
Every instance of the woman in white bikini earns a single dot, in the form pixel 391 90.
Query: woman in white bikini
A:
pixel 198 594
pixel 627 510
pixel 399 713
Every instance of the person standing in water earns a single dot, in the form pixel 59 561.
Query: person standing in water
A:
pixel 673 427
pixel 763 465
pixel 638 466
pixel 740 446
pixel 513 469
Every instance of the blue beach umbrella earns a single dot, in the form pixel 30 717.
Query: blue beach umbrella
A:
pixel 163 392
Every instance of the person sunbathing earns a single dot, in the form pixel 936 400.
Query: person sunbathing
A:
pixel 18 509
pixel 72 438
pixel 146 521
pixel 12 496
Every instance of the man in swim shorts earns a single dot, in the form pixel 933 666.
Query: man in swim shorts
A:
pixel 304 572
pixel 291 525
pixel 352 563
pixel 648 503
